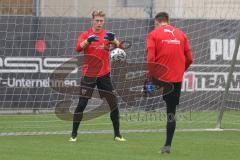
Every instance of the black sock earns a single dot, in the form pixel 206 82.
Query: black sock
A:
pixel 170 132
pixel 75 128
pixel 171 123
pixel 78 115
pixel 115 121
pixel 114 115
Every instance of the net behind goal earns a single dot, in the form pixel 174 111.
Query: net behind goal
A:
pixel 37 37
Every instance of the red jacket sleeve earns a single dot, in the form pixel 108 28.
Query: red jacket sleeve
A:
pixel 151 46
pixel 187 53
pixel 81 38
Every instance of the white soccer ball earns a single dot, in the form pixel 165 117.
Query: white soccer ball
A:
pixel 118 54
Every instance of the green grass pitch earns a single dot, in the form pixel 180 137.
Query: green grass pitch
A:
pixel 197 145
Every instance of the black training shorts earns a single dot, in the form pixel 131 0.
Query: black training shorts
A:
pixel 171 91
pixel 103 83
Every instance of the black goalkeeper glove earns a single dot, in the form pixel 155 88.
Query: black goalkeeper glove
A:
pixel 92 38
pixel 110 36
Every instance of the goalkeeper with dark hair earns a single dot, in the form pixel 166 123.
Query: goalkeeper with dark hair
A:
pixel 95 42
pixel 168 46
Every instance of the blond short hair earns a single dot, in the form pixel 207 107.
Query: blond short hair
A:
pixel 98 13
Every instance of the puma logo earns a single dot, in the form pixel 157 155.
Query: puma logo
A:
pixel 169 31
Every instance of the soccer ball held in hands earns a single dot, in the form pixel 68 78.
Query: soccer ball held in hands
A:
pixel 118 55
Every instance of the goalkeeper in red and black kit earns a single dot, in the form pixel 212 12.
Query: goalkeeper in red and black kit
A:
pixel 168 46
pixel 93 43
